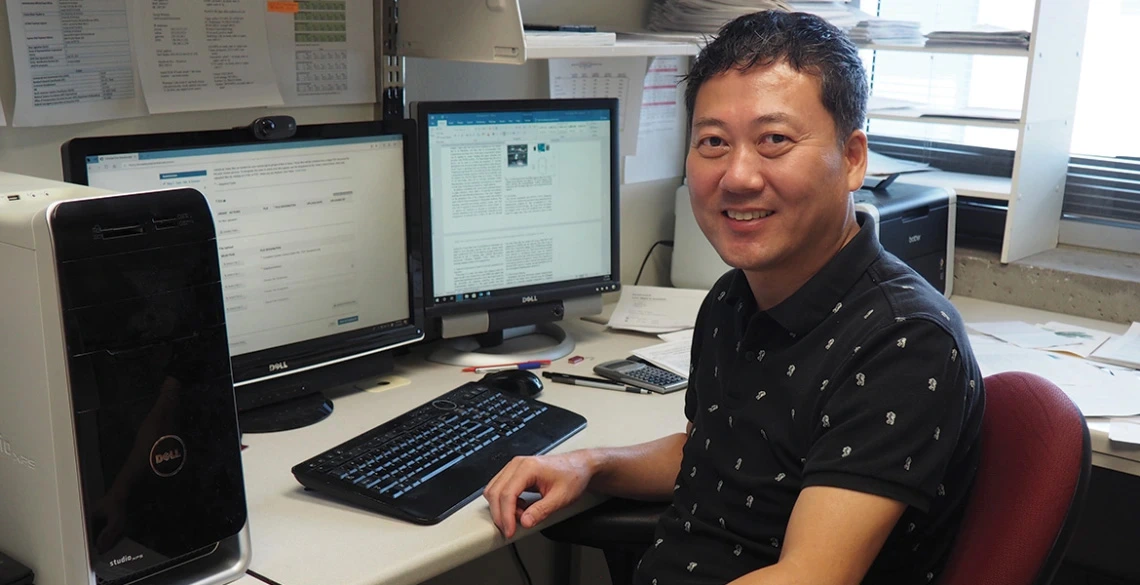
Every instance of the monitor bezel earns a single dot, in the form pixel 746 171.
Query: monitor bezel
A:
pixel 531 294
pixel 315 353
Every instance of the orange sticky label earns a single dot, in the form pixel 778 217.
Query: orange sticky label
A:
pixel 284 7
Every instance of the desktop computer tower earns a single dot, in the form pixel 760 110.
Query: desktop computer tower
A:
pixel 915 223
pixel 119 451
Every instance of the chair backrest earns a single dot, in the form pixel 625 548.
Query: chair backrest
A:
pixel 1032 479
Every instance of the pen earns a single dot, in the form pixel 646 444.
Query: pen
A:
pixel 592 383
pixel 531 365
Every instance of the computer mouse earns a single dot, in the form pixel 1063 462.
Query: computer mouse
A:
pixel 518 382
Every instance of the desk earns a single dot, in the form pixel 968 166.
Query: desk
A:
pixel 304 538
pixel 1108 454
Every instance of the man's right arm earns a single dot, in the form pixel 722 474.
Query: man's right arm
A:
pixel 646 471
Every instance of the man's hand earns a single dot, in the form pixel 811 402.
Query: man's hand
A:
pixel 559 479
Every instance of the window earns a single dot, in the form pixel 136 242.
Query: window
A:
pixel 1103 186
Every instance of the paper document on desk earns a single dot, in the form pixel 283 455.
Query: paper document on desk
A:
pixel 1095 391
pixel 674 356
pixel 1125 430
pixel 682 335
pixel 1121 351
pixel 1025 335
pixel 656 309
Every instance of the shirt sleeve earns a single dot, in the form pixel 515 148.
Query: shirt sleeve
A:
pixel 892 424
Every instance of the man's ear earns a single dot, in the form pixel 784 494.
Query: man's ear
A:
pixel 855 159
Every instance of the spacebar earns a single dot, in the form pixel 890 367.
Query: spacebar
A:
pixel 441 468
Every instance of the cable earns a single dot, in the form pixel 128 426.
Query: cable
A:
pixel 647 255
pixel 519 562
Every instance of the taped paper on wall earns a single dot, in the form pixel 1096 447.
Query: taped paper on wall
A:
pixel 196 56
pixel 324 54
pixel 661 140
pixel 72 65
pixel 615 77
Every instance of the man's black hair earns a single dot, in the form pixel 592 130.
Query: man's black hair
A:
pixel 807 42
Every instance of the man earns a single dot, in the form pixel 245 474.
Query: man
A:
pixel 834 404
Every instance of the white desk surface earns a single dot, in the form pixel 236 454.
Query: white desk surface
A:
pixel 303 538
pixel 247 580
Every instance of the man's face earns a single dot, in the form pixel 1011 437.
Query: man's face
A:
pixel 769 181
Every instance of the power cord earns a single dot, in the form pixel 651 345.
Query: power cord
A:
pixel 648 254
pixel 519 562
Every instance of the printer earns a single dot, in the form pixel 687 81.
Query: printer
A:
pixel 119 449
pixel 913 222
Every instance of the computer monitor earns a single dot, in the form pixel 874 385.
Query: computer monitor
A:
pixel 520 223
pixel 315 243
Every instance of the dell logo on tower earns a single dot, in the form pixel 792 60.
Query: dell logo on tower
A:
pixel 277 367
pixel 167 456
pixel 530 299
pixel 914 239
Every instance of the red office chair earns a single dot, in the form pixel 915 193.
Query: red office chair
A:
pixel 1033 475
pixel 1031 483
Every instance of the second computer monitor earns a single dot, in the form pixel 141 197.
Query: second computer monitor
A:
pixel 521 210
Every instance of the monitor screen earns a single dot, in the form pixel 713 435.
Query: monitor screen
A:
pixel 312 234
pixel 521 205
pixel 520 200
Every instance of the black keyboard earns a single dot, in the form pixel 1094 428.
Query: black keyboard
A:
pixel 432 460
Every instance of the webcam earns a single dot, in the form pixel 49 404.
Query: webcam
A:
pixel 273 127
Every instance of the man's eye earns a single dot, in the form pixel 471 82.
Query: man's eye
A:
pixel 713 141
pixel 776 138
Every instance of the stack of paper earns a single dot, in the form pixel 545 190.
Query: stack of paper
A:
pixel 882 30
pixel 543 38
pixel 707 16
pixel 1121 351
pixel 882 169
pixel 981 34
pixel 655 309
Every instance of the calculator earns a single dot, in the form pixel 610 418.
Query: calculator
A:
pixel 641 375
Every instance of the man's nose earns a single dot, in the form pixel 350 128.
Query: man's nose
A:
pixel 744 173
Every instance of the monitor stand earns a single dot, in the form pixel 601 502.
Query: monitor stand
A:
pixel 546 341
pixel 298 400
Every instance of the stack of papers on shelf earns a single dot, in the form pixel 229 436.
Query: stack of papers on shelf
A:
pixel 982 34
pixel 544 38
pixel 881 30
pixel 882 169
pixel 655 309
pixel 707 16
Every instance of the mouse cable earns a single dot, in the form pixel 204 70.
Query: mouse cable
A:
pixel 648 254
pixel 519 562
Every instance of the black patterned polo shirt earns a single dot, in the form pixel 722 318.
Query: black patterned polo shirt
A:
pixel 863 379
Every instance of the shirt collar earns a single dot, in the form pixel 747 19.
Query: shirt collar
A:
pixel 819 296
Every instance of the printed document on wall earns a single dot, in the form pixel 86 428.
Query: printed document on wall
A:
pixel 324 54
pixel 613 77
pixel 203 55
pixel 661 140
pixel 72 62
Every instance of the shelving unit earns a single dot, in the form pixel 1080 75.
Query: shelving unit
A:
pixel 491 31
pixel 1035 190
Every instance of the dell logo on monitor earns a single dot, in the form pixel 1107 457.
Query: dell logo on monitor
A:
pixel 530 299
pixel 914 239
pixel 277 367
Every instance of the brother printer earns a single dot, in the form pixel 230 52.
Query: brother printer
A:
pixel 915 223
pixel 119 450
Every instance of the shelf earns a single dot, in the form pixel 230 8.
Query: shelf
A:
pixel 949 49
pixel 965 185
pixel 949 120
pixel 623 48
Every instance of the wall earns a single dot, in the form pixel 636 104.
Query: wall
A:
pixel 35 150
